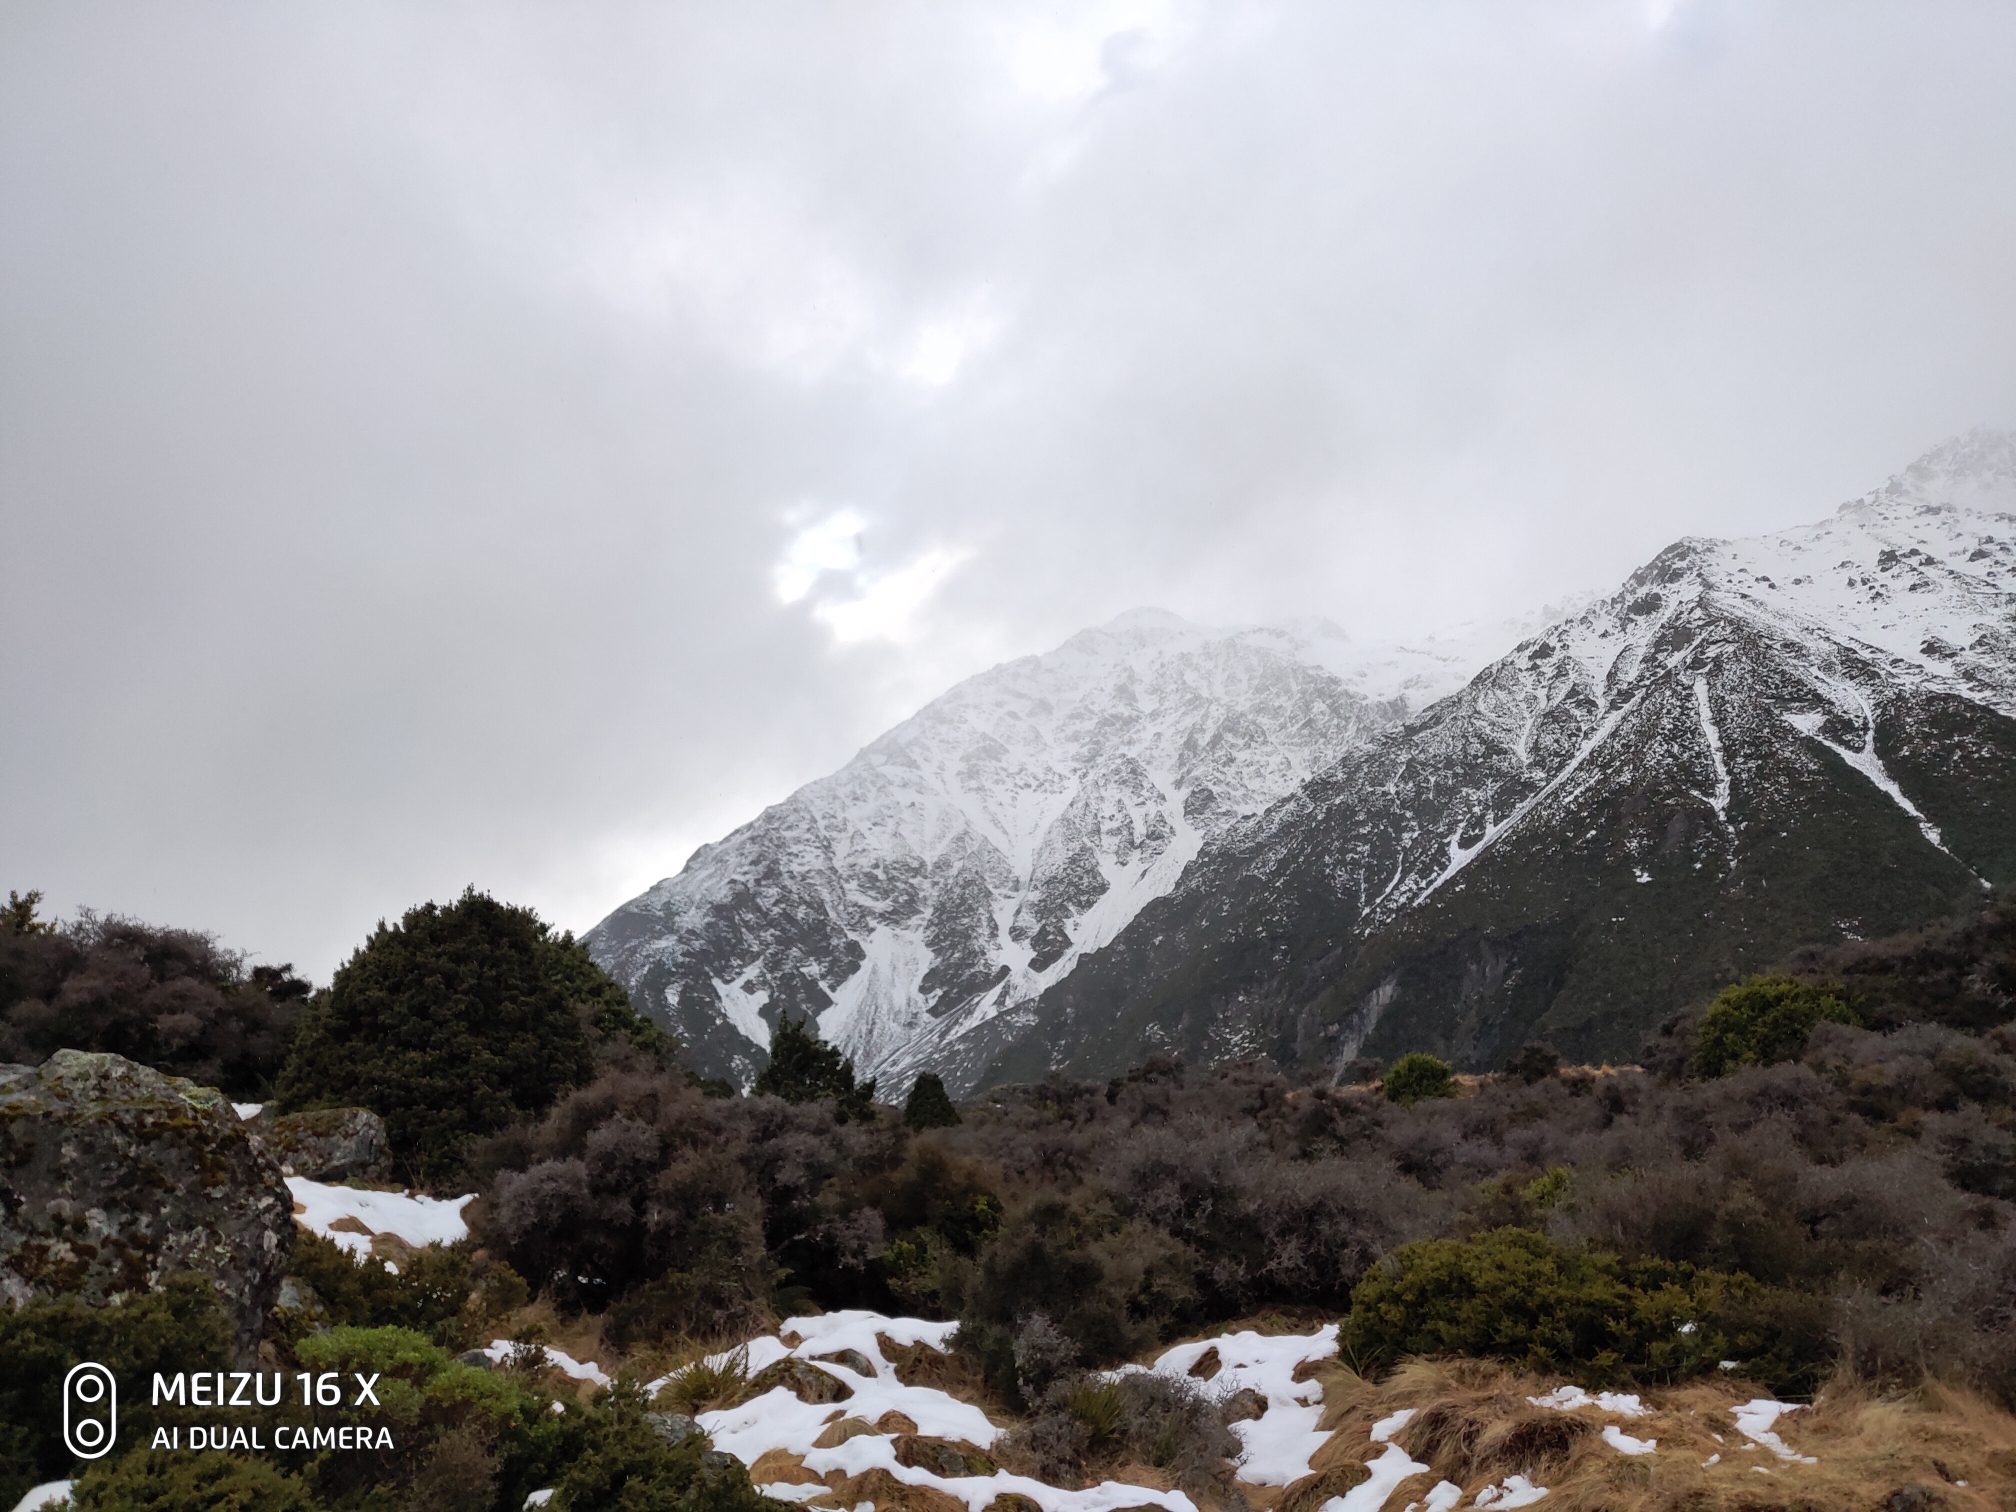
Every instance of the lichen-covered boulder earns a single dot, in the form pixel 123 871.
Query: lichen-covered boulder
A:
pixel 329 1144
pixel 114 1177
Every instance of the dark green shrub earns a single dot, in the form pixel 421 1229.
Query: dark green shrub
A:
pixel 804 1068
pixel 453 1023
pixel 169 1481
pixel 1109 1284
pixel 1763 1021
pixel 929 1107
pixel 624 1464
pixel 1535 1062
pixel 435 1406
pixel 1416 1076
pixel 1518 1296
pixel 429 1292
pixel 176 1328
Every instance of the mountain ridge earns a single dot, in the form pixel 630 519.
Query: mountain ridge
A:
pixel 966 858
pixel 1276 842
pixel 1703 733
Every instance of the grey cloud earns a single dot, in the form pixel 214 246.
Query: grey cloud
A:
pixel 403 411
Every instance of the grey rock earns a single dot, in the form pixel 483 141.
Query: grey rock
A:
pixel 328 1144
pixel 114 1177
pixel 475 1359
pixel 297 1295
pixel 673 1427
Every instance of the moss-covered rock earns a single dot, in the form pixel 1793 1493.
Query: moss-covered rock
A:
pixel 114 1177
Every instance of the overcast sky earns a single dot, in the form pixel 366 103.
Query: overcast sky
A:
pixel 511 444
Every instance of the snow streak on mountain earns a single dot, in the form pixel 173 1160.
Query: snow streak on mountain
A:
pixel 967 859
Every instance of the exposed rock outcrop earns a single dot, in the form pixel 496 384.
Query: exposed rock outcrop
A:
pixel 328 1144
pixel 114 1177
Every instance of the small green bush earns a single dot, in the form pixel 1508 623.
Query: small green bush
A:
pixel 166 1481
pixel 1763 1021
pixel 1416 1076
pixel 624 1466
pixel 1516 1295
pixel 429 1292
pixel 429 1400
pixel 176 1328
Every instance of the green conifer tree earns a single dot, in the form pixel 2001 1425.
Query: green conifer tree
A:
pixel 929 1107
pixel 452 1023
pixel 804 1068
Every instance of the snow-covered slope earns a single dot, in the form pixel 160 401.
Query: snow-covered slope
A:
pixel 965 861
pixel 1753 745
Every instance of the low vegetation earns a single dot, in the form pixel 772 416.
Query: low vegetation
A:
pixel 1812 1180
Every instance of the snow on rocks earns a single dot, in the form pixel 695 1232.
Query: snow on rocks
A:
pixel 1754 1419
pixel 1280 1442
pixel 247 1110
pixel 320 1208
pixel 1623 1443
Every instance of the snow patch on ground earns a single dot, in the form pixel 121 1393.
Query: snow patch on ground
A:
pixel 417 1220
pixel 1572 1398
pixel 48 1494
pixel 1754 1419
pixel 1279 1443
pixel 1391 1468
pixel 778 1420
pixel 1515 1491
pixel 1392 1423
pixel 501 1350
pixel 247 1110
pixel 1623 1443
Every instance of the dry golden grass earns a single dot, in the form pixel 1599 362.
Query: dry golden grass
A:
pixel 1474 1426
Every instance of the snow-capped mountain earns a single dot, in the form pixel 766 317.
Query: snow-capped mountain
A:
pixel 1276 841
pixel 967 859
pixel 1753 745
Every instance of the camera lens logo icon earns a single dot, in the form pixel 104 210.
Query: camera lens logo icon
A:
pixel 90 1410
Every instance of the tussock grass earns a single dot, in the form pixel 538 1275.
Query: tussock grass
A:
pixel 707 1383
pixel 1474 1426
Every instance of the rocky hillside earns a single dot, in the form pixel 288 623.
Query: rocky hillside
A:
pixel 969 858
pixel 1751 745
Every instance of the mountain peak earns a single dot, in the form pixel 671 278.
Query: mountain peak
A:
pixel 1976 471
pixel 1148 617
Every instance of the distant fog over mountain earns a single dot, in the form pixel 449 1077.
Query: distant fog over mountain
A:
pixel 1280 842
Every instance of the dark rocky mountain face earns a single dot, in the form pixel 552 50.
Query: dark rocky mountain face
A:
pixel 1751 747
pixel 1162 838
